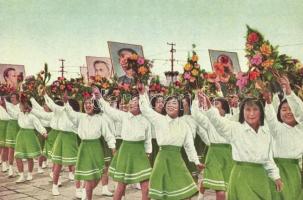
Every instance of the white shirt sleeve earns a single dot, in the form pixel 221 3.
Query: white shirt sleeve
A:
pixel 51 104
pixel 36 105
pixel 296 106
pixel 270 165
pixel 107 134
pixel 147 111
pixel 190 148
pixel 203 135
pixel 73 116
pixel 271 119
pixel 114 113
pixel 42 114
pixel 37 124
pixel 276 102
pixel 11 111
pixel 148 138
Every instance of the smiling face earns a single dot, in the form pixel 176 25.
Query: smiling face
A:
pixel 123 57
pixel 172 108
pixel 134 106
pixel 89 106
pixel 218 105
pixel 286 115
pixel 252 114
pixel 14 99
pixel 186 106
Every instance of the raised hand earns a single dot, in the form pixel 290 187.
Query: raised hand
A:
pixel 285 85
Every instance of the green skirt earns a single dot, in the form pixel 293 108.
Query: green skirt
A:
pixel 200 147
pixel 291 178
pixel 27 144
pixel 107 151
pixel 49 143
pixel 170 179
pixel 3 125
pixel 219 164
pixel 190 165
pixel 154 153
pixel 11 133
pixel 118 143
pixel 132 164
pixel 249 181
pixel 90 162
pixel 65 149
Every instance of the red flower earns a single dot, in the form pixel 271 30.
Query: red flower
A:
pixel 69 87
pixel 86 95
pixel 253 75
pixel 253 38
pixel 219 68
pixel 177 83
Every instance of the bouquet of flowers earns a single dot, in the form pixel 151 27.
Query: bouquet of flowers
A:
pixel 141 68
pixel 5 89
pixel 192 76
pixel 155 87
pixel 100 82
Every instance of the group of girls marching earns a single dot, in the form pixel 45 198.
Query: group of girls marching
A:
pixel 253 148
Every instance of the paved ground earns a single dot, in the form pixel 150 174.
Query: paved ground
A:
pixel 40 188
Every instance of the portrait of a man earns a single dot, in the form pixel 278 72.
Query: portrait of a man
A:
pixel 99 66
pixel 11 74
pixel 120 53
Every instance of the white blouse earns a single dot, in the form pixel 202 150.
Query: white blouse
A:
pixel 134 127
pixel 91 127
pixel 247 145
pixel 4 115
pixel 60 121
pixel 287 140
pixel 200 116
pixel 170 131
pixel 13 110
pixel 296 105
pixel 38 111
pixel 26 120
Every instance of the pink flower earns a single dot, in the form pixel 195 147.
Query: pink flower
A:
pixel 242 80
pixel 256 59
pixel 187 76
pixel 140 61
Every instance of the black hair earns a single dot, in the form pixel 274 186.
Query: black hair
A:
pixel 59 102
pixel 5 73
pixel 224 103
pixel 180 113
pixel 101 62
pixel 126 49
pixel 14 93
pixel 254 101
pixel 279 110
pixel 74 104
pixel 96 109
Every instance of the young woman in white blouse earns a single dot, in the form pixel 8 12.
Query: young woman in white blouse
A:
pixel 287 135
pixel 12 130
pixel 251 150
pixel 219 161
pixel 132 164
pixel 170 179
pixel 27 143
pixel 90 161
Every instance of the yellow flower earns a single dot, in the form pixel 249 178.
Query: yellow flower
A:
pixel 195 58
pixel 299 65
pixel 265 49
pixel 105 85
pixel 188 67
pixel 268 63
pixel 142 70
pixel 195 72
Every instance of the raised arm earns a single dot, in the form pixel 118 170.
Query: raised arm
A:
pixel 115 114
pixel 36 105
pixel 296 106
pixel 271 119
pixel 73 116
pixel 51 104
pixel 147 111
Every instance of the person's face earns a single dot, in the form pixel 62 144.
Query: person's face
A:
pixel 218 105
pixel 287 115
pixel 89 106
pixel 123 107
pixel 252 114
pixel 159 104
pixel 134 105
pixel 172 108
pixel 102 70
pixel 124 55
pixel 185 106
pixel 12 77
pixel 24 108
pixel 14 99
pixel 46 108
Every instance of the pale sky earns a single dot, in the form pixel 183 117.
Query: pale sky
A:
pixel 36 31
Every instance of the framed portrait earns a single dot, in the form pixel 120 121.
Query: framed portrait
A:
pixel 119 53
pixel 12 74
pixel 225 57
pixel 99 66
